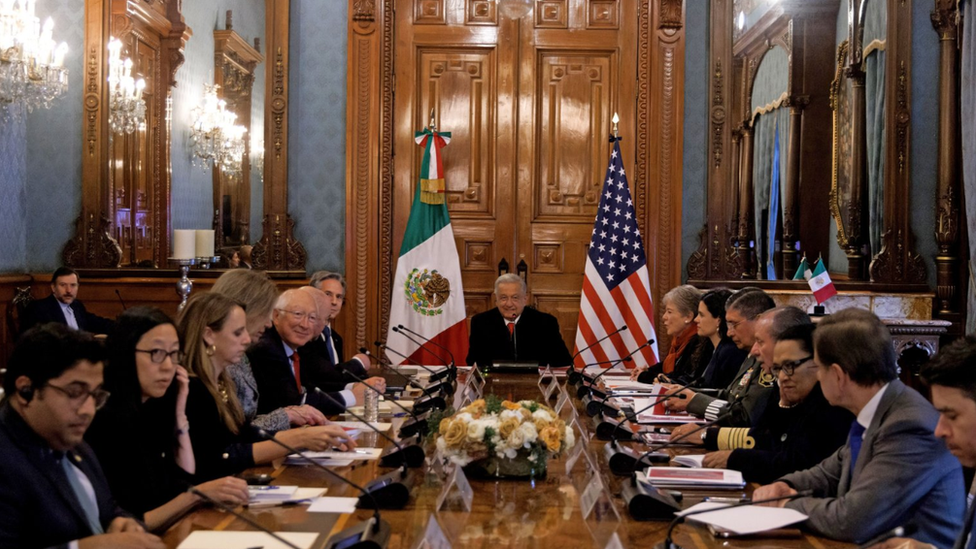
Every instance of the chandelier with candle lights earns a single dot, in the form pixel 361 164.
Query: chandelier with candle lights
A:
pixel 32 72
pixel 127 109
pixel 216 139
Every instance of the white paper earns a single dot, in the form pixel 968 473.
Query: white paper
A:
pixel 327 462
pixel 300 495
pixel 208 539
pixel 693 461
pixel 354 454
pixel 747 519
pixel 270 492
pixel 333 505
pixel 362 426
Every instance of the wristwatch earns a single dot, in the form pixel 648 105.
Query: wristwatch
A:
pixel 704 433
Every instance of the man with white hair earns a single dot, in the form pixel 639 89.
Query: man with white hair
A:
pixel 277 364
pixel 513 332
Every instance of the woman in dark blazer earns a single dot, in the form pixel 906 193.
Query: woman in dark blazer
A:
pixel 142 436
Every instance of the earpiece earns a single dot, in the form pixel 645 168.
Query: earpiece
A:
pixel 26 392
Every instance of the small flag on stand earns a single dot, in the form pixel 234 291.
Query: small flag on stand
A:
pixel 818 279
pixel 616 289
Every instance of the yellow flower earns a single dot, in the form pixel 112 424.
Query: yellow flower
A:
pixel 507 426
pixel 445 423
pixel 541 425
pixel 455 433
pixel 509 405
pixel 550 436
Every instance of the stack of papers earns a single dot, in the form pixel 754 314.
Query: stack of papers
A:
pixel 745 519
pixel 207 539
pixel 693 461
pixel 658 413
pixel 333 505
pixel 674 477
pixel 278 495
pixel 359 426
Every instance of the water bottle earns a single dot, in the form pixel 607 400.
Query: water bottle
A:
pixel 372 406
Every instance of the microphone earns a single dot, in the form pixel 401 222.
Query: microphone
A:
pixel 383 492
pixel 668 544
pixel 228 509
pixel 433 376
pixel 401 457
pixel 634 352
pixel 677 393
pixel 896 532
pixel 375 532
pixel 429 340
pixel 647 502
pixel 122 301
pixel 421 406
pixel 584 390
pixel 574 377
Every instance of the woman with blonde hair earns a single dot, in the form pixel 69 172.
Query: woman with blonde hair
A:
pixel 258 295
pixel 213 329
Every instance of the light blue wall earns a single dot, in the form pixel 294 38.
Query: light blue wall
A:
pixel 13 195
pixel 317 131
pixel 54 147
pixel 695 163
pixel 924 133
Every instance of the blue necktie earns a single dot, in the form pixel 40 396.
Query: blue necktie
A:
pixel 89 506
pixel 327 332
pixel 855 440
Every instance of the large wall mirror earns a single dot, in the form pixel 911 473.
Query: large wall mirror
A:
pixel 141 181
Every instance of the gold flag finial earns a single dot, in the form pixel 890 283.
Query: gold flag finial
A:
pixel 432 126
pixel 615 120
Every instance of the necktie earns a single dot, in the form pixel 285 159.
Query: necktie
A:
pixel 855 439
pixel 69 317
pixel 511 329
pixel 327 332
pixel 296 367
pixel 88 505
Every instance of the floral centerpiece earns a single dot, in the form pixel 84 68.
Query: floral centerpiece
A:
pixel 494 437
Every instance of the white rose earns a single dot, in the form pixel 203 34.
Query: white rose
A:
pixel 517 438
pixel 476 430
pixel 508 414
pixel 542 414
pixel 464 416
pixel 528 432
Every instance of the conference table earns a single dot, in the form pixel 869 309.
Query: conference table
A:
pixel 544 513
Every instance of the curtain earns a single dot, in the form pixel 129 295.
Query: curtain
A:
pixel 874 98
pixel 968 126
pixel 762 171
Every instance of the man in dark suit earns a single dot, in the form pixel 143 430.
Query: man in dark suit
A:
pixel 893 471
pixel 52 490
pixel 63 306
pixel 277 363
pixel 333 288
pixel 513 332
pixel 951 376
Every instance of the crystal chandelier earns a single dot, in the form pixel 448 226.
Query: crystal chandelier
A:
pixel 31 63
pixel 216 139
pixel 127 109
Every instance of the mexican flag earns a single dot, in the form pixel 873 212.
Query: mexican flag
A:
pixel 819 281
pixel 427 295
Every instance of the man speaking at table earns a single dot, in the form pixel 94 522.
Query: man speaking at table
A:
pixel 512 332
pixel 893 471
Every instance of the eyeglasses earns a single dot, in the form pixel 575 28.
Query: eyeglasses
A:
pixel 789 366
pixel 299 316
pixel 78 394
pixel 735 325
pixel 159 355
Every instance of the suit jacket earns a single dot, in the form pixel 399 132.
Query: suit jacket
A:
pixel 218 451
pixel 537 339
pixel 38 507
pixel 49 309
pixel 328 376
pixel 904 476
pixel 966 540
pixel 276 381
pixel 747 398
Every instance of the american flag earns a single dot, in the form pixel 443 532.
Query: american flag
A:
pixel 616 288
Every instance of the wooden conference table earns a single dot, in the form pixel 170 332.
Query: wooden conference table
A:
pixel 505 513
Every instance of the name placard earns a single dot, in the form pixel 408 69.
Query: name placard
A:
pixel 434 537
pixel 456 490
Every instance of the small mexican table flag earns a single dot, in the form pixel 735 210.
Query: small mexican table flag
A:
pixel 818 279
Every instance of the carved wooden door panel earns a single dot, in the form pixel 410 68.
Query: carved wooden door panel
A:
pixel 529 103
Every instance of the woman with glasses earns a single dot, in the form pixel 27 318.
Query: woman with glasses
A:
pixel 258 294
pixel 141 436
pixel 214 332
pixel 797 434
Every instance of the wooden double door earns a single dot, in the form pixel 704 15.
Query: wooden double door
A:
pixel 528 101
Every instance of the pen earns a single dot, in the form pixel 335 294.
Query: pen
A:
pixel 725 500
pixel 262 488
